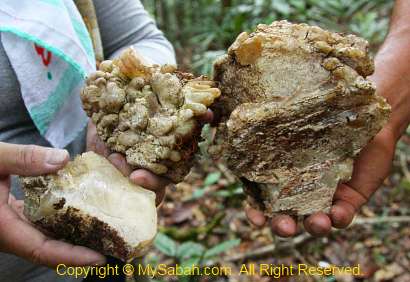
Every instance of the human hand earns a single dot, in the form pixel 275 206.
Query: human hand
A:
pixel 372 166
pixel 370 169
pixel 17 235
pixel 140 177
pixel 373 163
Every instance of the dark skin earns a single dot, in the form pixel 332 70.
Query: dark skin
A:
pixel 392 79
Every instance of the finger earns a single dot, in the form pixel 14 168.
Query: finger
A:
pixel 101 148
pixel 52 252
pixel 151 182
pixel 4 190
pixel 148 180
pixel 255 216
pixel 23 240
pixel 11 199
pixel 30 159
pixel 284 225
pixel 373 164
pixel 350 195
pixel 8 200
pixel 370 169
pixel 347 201
pixel 342 214
pixel 120 163
pixel 91 136
pixel 94 143
pixel 318 224
pixel 16 205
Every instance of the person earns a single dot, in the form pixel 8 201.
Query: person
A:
pixel 25 149
pixel 121 25
pixel 392 80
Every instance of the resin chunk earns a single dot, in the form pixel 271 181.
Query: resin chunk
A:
pixel 90 203
pixel 296 109
pixel 148 112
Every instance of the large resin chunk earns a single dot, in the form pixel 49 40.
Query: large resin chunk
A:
pixel 148 112
pixel 296 109
pixel 90 203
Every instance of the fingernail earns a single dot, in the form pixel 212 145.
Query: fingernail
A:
pixel 284 228
pixel 56 156
pixel 283 225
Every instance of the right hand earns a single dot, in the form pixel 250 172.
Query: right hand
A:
pixel 373 164
pixel 17 235
pixel 370 169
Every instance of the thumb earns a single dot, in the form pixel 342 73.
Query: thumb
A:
pixel 30 160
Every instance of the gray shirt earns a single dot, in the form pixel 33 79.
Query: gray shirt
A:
pixel 122 23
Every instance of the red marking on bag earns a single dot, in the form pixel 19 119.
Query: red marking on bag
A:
pixel 41 52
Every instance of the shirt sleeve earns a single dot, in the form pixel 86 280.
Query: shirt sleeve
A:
pixel 125 23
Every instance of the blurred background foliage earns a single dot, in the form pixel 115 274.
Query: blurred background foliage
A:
pixel 201 30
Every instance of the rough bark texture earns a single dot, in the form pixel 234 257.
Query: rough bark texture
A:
pixel 296 109
pixel 90 203
pixel 148 112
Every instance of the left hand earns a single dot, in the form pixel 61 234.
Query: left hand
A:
pixel 17 235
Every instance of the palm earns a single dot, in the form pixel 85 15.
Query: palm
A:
pixel 16 206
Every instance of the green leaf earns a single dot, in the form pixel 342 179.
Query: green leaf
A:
pixel 221 248
pixel 199 193
pixel 355 7
pixel 184 278
pixel 212 178
pixel 281 6
pixel 331 279
pixel 190 263
pixel 206 135
pixel 165 245
pixel 194 261
pixel 229 193
pixel 300 5
pixel 188 250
